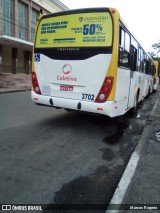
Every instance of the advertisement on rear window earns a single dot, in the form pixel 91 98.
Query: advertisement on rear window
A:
pixel 75 30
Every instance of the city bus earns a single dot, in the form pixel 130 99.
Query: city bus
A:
pixel 156 77
pixel 88 60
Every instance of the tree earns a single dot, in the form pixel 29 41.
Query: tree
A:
pixel 156 47
pixel 155 54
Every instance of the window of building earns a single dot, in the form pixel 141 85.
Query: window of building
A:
pixel 22 21
pixel 35 15
pixel 7 10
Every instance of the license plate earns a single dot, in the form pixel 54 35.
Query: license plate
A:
pixel 66 88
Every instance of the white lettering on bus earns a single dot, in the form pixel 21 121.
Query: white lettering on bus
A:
pixel 63 78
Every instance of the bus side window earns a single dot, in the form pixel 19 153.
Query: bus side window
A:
pixel 147 65
pixel 121 38
pixel 140 60
pixel 124 49
pixel 133 58
pixel 144 62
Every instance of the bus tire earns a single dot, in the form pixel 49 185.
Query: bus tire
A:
pixel 148 93
pixel 154 90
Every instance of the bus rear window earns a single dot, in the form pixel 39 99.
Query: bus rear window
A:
pixel 75 30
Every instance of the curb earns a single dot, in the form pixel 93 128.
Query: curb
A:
pixel 123 187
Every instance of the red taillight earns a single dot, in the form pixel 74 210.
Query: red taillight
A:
pixel 105 90
pixel 35 84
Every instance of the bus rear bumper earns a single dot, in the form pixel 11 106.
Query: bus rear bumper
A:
pixel 109 108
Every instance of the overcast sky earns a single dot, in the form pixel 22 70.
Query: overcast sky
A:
pixel 141 16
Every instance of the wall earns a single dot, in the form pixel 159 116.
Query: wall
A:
pixel 7 59
pixel 20 61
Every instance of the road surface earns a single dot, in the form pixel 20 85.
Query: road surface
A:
pixel 50 156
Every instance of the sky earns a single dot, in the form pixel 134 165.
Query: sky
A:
pixel 141 16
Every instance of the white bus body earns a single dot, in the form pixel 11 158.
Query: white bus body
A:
pixel 93 75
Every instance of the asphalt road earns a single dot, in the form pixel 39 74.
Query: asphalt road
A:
pixel 50 156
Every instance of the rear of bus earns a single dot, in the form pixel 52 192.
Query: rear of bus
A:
pixel 75 60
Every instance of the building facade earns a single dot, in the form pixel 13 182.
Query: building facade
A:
pixel 17 27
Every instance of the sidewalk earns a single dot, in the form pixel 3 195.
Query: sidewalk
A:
pixel 145 186
pixel 140 184
pixel 10 83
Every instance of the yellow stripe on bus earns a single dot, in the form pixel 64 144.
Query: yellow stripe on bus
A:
pixel 112 71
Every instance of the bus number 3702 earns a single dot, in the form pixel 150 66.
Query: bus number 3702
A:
pixel 89 97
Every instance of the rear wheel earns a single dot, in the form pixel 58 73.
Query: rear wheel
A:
pixel 154 90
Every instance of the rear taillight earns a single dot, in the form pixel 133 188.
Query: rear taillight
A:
pixel 35 84
pixel 105 90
